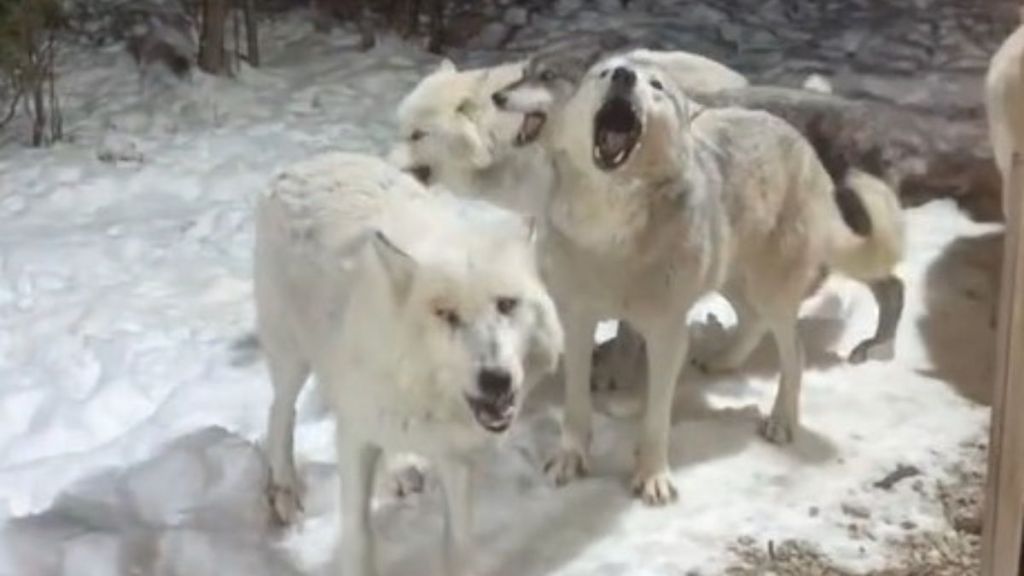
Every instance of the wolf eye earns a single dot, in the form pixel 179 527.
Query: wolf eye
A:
pixel 506 305
pixel 417 135
pixel 547 76
pixel 449 316
pixel 604 73
pixel 657 85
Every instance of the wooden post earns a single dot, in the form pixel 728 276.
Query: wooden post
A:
pixel 1004 505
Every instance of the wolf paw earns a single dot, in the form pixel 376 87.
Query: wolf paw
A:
pixel 655 489
pixel 566 466
pixel 778 429
pixel 286 503
pixel 872 349
pixel 408 479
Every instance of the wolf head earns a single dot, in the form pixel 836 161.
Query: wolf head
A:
pixel 630 120
pixel 550 78
pixel 448 126
pixel 472 320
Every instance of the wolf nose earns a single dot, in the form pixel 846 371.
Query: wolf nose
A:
pixel 499 99
pixel 494 383
pixel 422 173
pixel 624 77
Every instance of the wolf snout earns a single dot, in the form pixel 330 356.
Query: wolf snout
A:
pixel 421 172
pixel 494 383
pixel 623 77
pixel 500 99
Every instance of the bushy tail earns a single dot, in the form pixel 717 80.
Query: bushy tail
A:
pixel 866 240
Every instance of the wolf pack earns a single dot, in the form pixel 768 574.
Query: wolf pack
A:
pixel 429 291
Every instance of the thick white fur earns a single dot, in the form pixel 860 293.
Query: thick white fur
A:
pixel 449 124
pixel 691 72
pixel 876 257
pixel 735 201
pixel 358 273
pixel 1004 102
pixel 453 114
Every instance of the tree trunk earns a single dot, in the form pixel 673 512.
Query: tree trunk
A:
pixel 436 42
pixel 211 45
pixel 38 112
pixel 251 34
pixel 362 17
pixel 56 119
pixel 236 31
pixel 412 17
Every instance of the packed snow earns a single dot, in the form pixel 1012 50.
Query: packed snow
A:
pixel 131 411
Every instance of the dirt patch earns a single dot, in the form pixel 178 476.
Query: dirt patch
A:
pixel 954 550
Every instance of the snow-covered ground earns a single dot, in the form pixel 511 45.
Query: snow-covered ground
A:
pixel 130 426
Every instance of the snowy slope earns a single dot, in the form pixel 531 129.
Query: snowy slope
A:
pixel 129 428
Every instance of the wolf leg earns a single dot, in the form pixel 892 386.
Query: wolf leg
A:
pixel 889 294
pixel 782 424
pixel 357 462
pixel 667 349
pixel 288 375
pixel 571 460
pixel 457 477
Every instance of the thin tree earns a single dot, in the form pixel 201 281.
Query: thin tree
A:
pixel 28 50
pixel 212 56
pixel 435 43
pixel 251 33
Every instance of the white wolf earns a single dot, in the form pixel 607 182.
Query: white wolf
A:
pixel 1004 102
pixel 657 205
pixel 422 316
pixel 453 132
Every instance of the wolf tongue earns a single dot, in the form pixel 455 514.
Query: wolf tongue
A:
pixel 613 142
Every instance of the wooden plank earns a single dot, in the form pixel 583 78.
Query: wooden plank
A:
pixel 1004 507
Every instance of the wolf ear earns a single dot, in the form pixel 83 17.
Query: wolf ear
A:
pixel 399 266
pixel 446 65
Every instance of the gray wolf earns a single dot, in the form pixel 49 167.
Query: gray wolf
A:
pixel 1004 104
pixel 554 73
pixel 422 316
pixel 843 126
pixel 657 206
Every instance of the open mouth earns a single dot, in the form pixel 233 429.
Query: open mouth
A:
pixel 494 414
pixel 529 131
pixel 617 130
